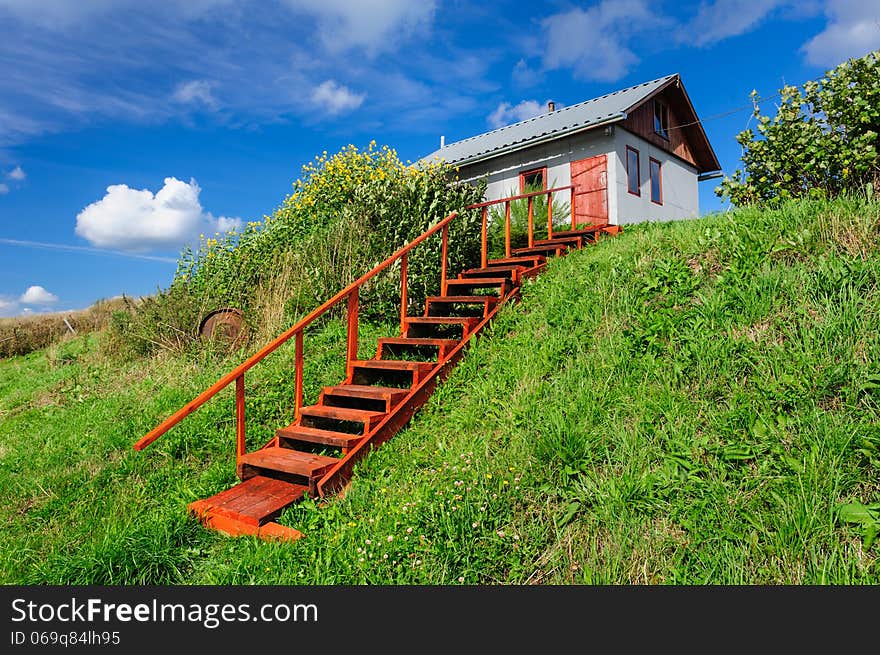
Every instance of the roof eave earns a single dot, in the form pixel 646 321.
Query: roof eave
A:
pixel 614 118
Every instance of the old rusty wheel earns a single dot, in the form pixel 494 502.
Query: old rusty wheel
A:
pixel 225 326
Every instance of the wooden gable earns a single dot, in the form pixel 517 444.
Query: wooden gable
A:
pixel 686 137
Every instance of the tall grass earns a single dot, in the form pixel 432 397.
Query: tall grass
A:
pixel 687 403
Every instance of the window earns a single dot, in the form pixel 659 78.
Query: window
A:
pixel 656 181
pixel 661 119
pixel 534 180
pixel 632 171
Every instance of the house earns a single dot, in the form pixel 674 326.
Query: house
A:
pixel 633 155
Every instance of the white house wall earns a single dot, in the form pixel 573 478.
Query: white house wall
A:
pixel 503 172
pixel 681 198
pixel 680 194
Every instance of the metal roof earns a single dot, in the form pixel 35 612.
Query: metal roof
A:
pixel 584 115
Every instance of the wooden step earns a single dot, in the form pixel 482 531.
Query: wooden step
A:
pixel 508 271
pixel 585 231
pixel 296 433
pixel 572 242
pixel 434 349
pixel 277 462
pixel 339 419
pixel 362 396
pixel 529 261
pixel 439 326
pixel 475 305
pixel 549 250
pixel 254 502
pixel 500 284
pixel 388 372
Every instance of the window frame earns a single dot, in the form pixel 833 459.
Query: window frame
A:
pixel 523 174
pixel 663 132
pixel 638 191
pixel 651 160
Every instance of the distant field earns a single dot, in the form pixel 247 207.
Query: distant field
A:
pixel 691 402
pixel 24 334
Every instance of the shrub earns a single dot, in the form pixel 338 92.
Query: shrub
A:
pixel 519 219
pixel 823 140
pixel 347 213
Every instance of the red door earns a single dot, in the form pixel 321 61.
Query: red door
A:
pixel 590 180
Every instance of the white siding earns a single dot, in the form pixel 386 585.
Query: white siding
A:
pixel 680 194
pixel 681 198
pixel 503 172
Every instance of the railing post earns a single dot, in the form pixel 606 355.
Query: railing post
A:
pixel 298 374
pixel 484 247
pixel 351 351
pixel 550 215
pixel 240 445
pixel 531 221
pixel 507 229
pixel 444 249
pixel 573 220
pixel 404 265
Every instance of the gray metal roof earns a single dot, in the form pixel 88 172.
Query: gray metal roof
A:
pixel 590 113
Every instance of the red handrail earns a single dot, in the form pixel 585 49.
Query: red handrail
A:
pixel 237 374
pixel 351 294
pixel 531 198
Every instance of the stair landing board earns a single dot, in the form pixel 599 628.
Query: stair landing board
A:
pixel 250 507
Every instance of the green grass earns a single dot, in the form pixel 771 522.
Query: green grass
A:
pixel 692 402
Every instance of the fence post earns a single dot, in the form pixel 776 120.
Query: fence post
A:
pixel 298 374
pixel 550 215
pixel 444 249
pixel 484 246
pixel 404 265
pixel 507 229
pixel 573 219
pixel 240 445
pixel 531 221
pixel 352 341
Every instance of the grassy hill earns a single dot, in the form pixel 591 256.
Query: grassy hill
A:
pixel 693 402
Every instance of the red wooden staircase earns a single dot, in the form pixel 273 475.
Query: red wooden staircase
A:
pixel 315 454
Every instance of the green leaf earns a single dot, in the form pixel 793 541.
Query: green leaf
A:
pixel 870 535
pixel 570 511
pixel 856 513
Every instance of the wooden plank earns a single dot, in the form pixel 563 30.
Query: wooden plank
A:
pixel 296 432
pixel 289 461
pixel 253 501
pixel 341 413
pixel 234 528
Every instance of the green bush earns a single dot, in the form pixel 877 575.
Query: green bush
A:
pixel 519 219
pixel 822 142
pixel 347 213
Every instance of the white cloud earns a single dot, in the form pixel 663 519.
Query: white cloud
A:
pixel 16 174
pixel 853 30
pixel 722 19
pixel 592 41
pixel 4 189
pixel 335 98
pixel 37 295
pixel 374 26
pixel 505 113
pixel 523 75
pixel 195 91
pixel 137 220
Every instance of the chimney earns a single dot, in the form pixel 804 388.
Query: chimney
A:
pixel 551 106
pixel 442 141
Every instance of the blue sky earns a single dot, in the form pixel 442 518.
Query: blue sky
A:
pixel 127 128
